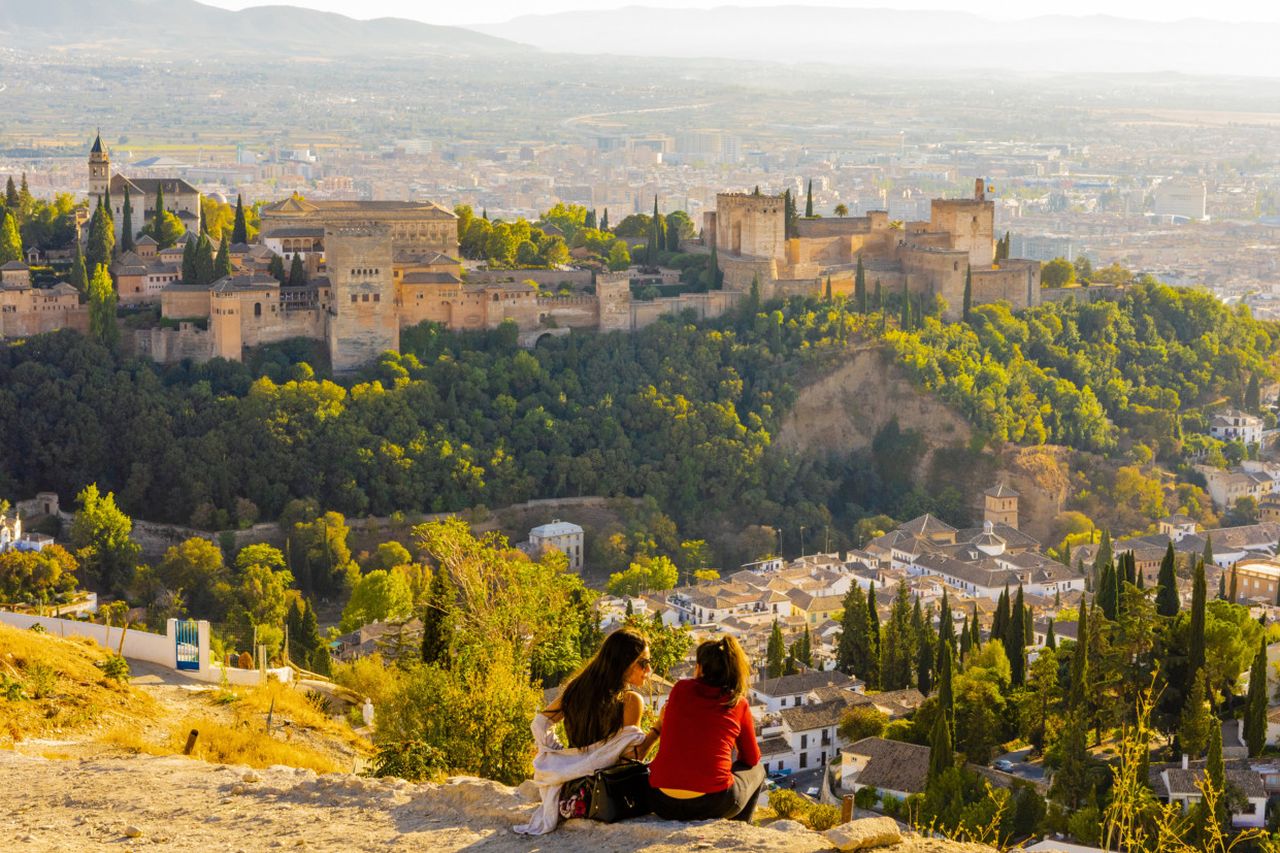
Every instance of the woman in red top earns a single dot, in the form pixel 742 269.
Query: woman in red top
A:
pixel 706 719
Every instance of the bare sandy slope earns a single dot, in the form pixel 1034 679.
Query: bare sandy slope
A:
pixel 175 803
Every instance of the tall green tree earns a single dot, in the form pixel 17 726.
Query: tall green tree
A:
pixel 941 755
pixel 1167 599
pixel 853 652
pixel 240 230
pixel 873 632
pixel 439 619
pixel 789 215
pixel 775 652
pixel 1016 641
pixel 946 690
pixel 1080 687
pixel 190 274
pixel 102 238
pixel 860 286
pixel 157 216
pixel 204 259
pixel 1104 557
pixel 1195 639
pixel 946 630
pixel 1255 709
pixel 1050 641
pixel 10 241
pixel 297 272
pixel 808 201
pixel 102 308
pixel 222 262
pixel 968 293
pixel 79 275
pixel 897 655
pixel 1193 728
pixel 926 648
pixel 1234 594
pixel 11 201
pixel 126 223
pixel 100 532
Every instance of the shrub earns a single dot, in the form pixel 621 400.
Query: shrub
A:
pixel 822 817
pixel 866 798
pixel 114 667
pixel 408 759
pixel 787 803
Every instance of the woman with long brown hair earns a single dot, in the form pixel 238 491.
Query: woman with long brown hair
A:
pixel 708 762
pixel 601 712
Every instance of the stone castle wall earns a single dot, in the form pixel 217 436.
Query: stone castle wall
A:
pixel 1016 282
pixel 363 322
pixel 751 225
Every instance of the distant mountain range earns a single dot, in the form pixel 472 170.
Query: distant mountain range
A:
pixel 927 40
pixel 117 28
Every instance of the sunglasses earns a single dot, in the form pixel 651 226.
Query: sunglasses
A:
pixel 644 663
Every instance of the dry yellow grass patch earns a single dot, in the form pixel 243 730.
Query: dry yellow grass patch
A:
pixel 50 685
pixel 288 703
pixel 242 744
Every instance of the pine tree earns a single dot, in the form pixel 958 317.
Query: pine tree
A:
pixel 222 262
pixel 968 292
pixel 297 272
pixel 157 218
pixel 438 619
pixel 1050 641
pixel 1015 645
pixel 190 275
pixel 79 276
pixel 941 756
pixel 1255 709
pixel 126 223
pixel 808 201
pixel 776 650
pixel 590 220
pixel 276 269
pixel 11 195
pixel 897 654
pixel 673 236
pixel 860 286
pixel 240 230
pixel 1167 600
pixel 1195 643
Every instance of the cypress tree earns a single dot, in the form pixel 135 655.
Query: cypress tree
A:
pixel 789 215
pixel 776 650
pixel 1000 620
pixel 1080 661
pixel 852 648
pixel 976 627
pixel 190 275
pixel 1050 641
pixel 965 638
pixel 126 223
pixel 946 694
pixel 925 650
pixel 604 220
pixel 860 286
pixel 204 260
pixel 1222 586
pixel 1208 549
pixel 79 276
pixel 293 626
pixel 1193 727
pixel 438 619
pixel 904 321
pixel 1235 597
pixel 297 272
pixel 1216 771
pixel 1104 557
pixel 102 239
pixel 808 201
pixel 102 308
pixel 590 220
pixel 941 756
pixel 276 269
pixel 1255 709
pixel 11 195
pixel 1015 645
pixel 828 296
pixel 222 263
pixel 1195 644
pixel 968 292
pixel 1167 601
pixel 157 219
pixel 1106 596
pixel 673 236
pixel 240 230
pixel 897 654
pixel 806 647
pixel 713 270
pixel 1252 394
pixel 946 630
pixel 873 633
pixel 10 239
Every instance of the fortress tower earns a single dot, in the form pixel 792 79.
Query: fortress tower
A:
pixel 99 167
pixel 363 319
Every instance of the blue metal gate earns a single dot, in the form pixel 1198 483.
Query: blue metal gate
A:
pixel 188 645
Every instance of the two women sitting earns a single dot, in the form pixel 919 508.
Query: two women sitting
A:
pixel 705 723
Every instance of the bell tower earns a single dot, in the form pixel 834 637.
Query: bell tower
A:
pixel 99 168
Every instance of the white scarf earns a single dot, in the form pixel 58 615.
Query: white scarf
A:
pixel 554 765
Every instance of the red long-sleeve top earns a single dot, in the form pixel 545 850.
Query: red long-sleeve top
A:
pixel 699 735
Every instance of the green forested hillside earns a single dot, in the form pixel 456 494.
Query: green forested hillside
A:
pixel 681 412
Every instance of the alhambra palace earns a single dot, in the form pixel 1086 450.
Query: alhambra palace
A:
pixel 376 267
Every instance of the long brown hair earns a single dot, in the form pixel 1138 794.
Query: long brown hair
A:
pixel 591 703
pixel 725 665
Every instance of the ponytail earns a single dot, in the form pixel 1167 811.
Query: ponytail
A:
pixel 725 665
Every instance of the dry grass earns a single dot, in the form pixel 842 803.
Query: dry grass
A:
pixel 240 744
pixel 287 704
pixel 50 685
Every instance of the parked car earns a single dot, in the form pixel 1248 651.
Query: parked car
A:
pixel 1004 764
pixel 811 792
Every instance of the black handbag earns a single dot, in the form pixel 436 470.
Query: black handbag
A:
pixel 620 792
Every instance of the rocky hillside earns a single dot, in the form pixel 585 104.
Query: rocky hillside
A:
pixel 184 804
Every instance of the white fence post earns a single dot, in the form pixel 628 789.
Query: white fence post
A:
pixel 202 629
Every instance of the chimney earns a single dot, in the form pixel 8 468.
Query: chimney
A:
pixel 1185 759
pixel 980 189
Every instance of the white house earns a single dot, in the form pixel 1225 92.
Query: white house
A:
pixel 561 535
pixel 1179 784
pixel 791 691
pixel 1234 425
pixel 11 536
pixel 810 730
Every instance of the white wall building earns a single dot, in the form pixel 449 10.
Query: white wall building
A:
pixel 561 535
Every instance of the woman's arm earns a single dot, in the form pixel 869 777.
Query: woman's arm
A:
pixel 651 737
pixel 748 749
pixel 552 711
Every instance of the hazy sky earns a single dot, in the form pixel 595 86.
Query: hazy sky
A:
pixel 488 11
